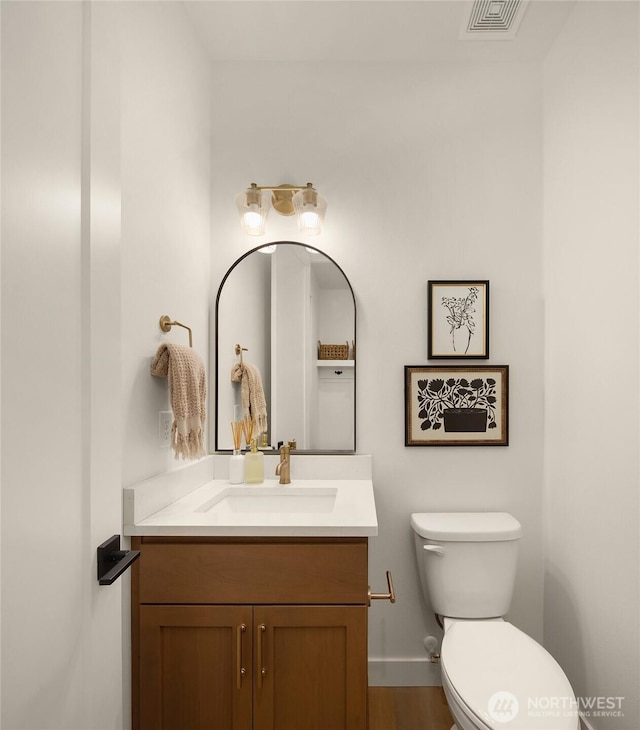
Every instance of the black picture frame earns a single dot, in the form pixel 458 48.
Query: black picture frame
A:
pixel 458 319
pixel 453 405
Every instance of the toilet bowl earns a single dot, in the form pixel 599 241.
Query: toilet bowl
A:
pixel 494 676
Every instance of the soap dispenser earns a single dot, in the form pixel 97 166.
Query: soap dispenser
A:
pixel 254 465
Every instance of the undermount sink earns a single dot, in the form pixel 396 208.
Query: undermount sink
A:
pixel 252 500
pixel 329 496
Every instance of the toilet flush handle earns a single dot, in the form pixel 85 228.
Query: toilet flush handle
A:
pixel 437 549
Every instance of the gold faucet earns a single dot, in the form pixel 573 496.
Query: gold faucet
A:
pixel 283 470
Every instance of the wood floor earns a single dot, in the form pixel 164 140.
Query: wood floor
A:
pixel 408 708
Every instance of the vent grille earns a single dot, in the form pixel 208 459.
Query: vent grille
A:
pixel 494 19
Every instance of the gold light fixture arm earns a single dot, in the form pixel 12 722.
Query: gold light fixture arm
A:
pixel 281 195
pixel 285 188
pixel 166 324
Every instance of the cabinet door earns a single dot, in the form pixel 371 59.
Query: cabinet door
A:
pixel 195 667
pixel 311 667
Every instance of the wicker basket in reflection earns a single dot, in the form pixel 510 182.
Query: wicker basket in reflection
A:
pixel 333 352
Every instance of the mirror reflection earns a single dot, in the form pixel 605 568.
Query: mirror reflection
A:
pixel 291 309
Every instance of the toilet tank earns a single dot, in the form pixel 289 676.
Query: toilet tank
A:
pixel 468 568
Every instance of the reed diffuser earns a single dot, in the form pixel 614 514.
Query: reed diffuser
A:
pixel 247 427
pixel 237 429
pixel 236 461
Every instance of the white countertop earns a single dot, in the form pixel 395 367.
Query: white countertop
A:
pixel 352 513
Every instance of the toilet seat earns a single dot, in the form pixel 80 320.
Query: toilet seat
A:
pixel 482 658
pixel 464 717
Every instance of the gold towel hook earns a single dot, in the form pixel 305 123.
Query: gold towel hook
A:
pixel 166 324
pixel 239 351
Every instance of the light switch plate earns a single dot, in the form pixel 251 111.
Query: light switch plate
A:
pixel 165 422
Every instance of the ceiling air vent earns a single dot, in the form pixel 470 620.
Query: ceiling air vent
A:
pixel 493 19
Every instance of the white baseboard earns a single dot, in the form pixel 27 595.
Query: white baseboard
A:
pixel 403 673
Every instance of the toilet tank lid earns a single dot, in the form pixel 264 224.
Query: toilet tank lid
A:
pixel 466 526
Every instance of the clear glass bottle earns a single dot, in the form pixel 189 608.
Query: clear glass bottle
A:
pixel 236 467
pixel 254 465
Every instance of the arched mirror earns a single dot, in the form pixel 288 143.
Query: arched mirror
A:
pixel 292 310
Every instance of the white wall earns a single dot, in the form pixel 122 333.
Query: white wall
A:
pixel 430 173
pixel 41 234
pixel 290 366
pixel 591 192
pixel 61 632
pixel 165 225
pixel 247 289
pixel 105 226
pixel 166 171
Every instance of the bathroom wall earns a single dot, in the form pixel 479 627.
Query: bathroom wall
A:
pixel 166 171
pixel 41 234
pixel 248 287
pixel 430 173
pixel 165 116
pixel 105 227
pixel 591 284
pixel 61 633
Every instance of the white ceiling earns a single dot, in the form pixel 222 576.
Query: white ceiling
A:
pixel 424 31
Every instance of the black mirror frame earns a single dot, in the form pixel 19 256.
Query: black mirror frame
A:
pixel 216 364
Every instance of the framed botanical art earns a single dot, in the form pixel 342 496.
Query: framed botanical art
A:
pixel 456 406
pixel 458 320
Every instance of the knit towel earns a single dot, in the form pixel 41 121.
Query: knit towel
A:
pixel 188 393
pixel 253 400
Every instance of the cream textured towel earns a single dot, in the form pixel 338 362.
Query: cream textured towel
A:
pixel 253 400
pixel 188 393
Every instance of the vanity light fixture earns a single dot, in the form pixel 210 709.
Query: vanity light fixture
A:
pixel 307 204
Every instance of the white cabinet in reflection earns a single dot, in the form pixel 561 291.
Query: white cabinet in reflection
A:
pixel 333 426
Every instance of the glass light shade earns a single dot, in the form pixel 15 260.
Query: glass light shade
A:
pixel 271 248
pixel 309 207
pixel 253 207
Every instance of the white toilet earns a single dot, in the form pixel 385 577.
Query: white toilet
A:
pixel 493 675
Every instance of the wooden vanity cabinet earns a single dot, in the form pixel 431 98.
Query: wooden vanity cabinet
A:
pixel 250 634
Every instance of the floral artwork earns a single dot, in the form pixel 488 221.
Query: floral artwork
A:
pixel 460 315
pixel 438 397
pixel 458 319
pixel 456 406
